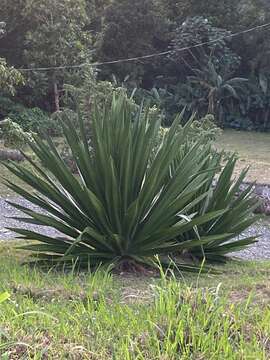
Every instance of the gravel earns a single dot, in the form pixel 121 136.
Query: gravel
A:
pixel 259 251
pixel 7 212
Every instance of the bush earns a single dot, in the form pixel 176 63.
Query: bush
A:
pixel 7 106
pixel 37 121
pixel 235 121
pixel 206 128
pixel 10 78
pixel 90 93
pixel 127 206
pixel 13 135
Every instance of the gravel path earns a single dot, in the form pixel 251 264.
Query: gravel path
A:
pixel 7 211
pixel 261 250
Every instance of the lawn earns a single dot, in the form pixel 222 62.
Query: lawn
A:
pixel 253 149
pixel 4 190
pixel 59 315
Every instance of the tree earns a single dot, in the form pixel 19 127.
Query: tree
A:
pixel 195 31
pixel 222 13
pixel 132 29
pixel 95 12
pixel 218 89
pixel 16 26
pixel 9 77
pixel 56 33
pixel 57 39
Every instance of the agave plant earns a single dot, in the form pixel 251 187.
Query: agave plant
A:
pixel 122 207
pixel 126 206
pixel 224 192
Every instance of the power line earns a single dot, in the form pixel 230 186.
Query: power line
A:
pixel 133 59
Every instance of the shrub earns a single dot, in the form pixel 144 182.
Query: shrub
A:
pixel 37 121
pixel 13 135
pixel 206 128
pixel 90 93
pixel 10 78
pixel 126 206
pixel 7 106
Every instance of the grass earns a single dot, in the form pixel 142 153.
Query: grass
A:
pixel 4 190
pixel 252 148
pixel 59 315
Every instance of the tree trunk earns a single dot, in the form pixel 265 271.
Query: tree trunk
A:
pixel 56 97
pixel 266 117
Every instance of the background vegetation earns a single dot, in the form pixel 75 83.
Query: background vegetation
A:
pixel 228 78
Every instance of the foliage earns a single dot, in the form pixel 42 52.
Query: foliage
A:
pixel 225 13
pixel 90 92
pixel 57 38
pixel 83 97
pixel 197 30
pixel 147 32
pixel 13 135
pixel 256 102
pixel 37 121
pixel 218 90
pixel 9 78
pixel 204 128
pixel 70 32
pixel 224 193
pixel 8 105
pixel 127 206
